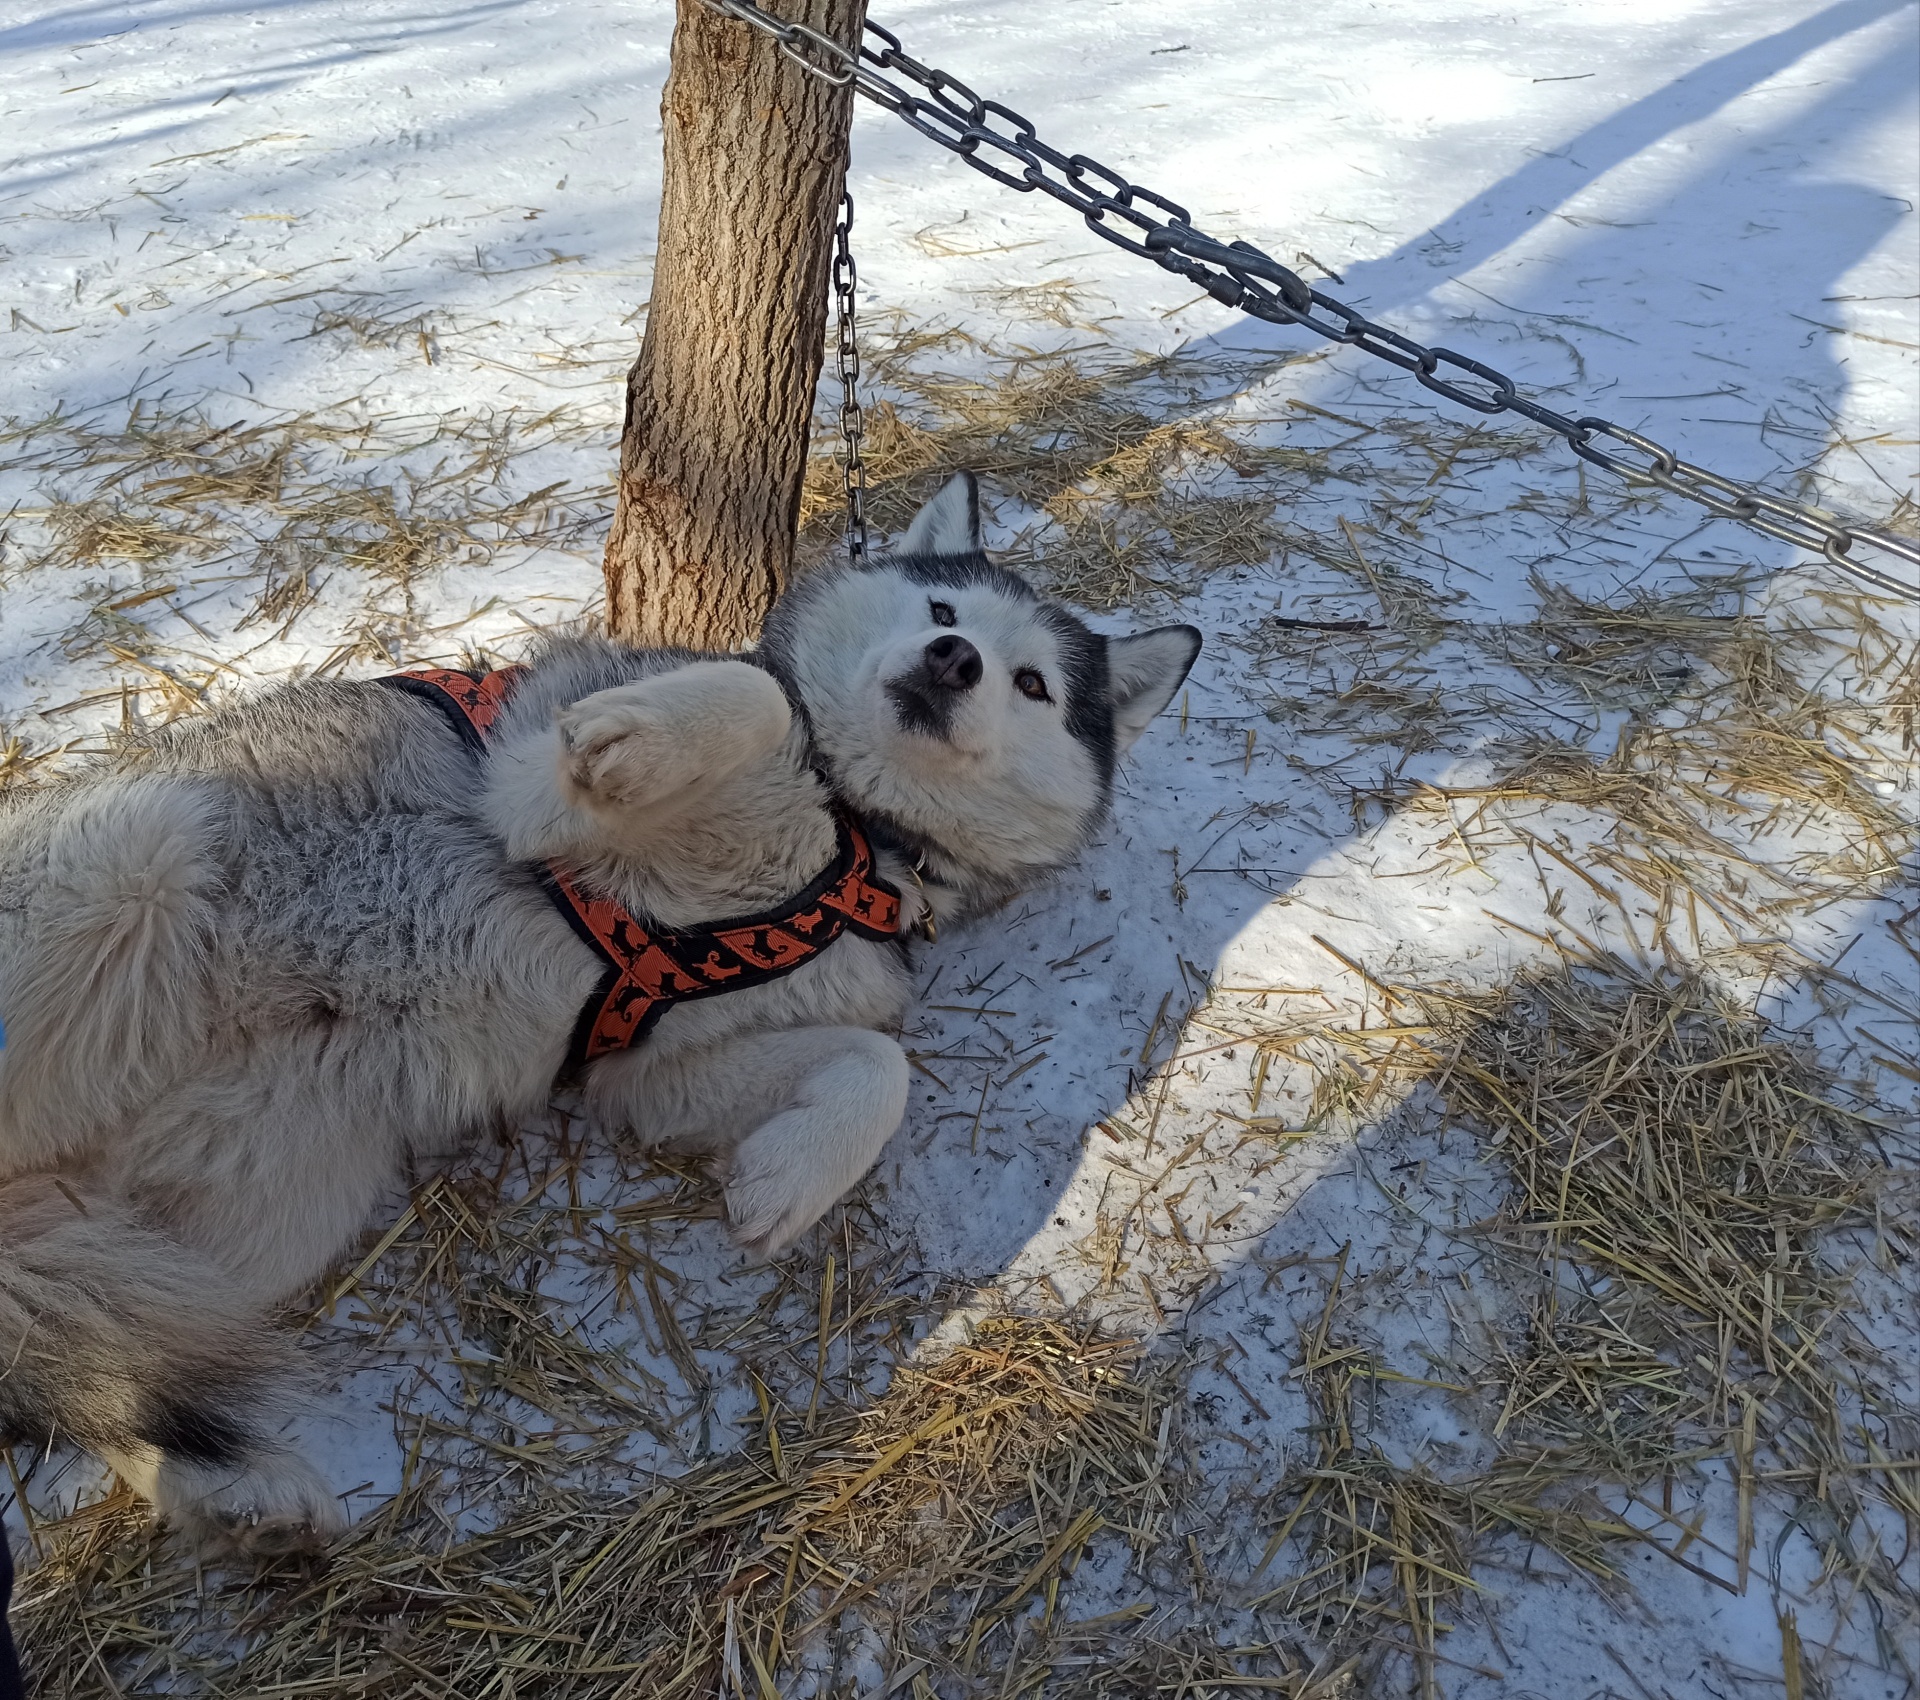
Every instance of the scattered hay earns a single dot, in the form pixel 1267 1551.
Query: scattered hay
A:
pixel 973 1482
pixel 99 528
pixel 1127 1660
pixel 15 758
pixel 1678 1171
pixel 235 532
pixel 1689 1165
pixel 1749 736
pixel 293 500
pixel 1137 477
pixel 1387 1548
pixel 383 325
pixel 1658 1133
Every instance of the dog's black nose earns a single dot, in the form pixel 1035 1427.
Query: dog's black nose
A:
pixel 953 664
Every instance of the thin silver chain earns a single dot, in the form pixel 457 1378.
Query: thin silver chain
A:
pixel 853 426
pixel 992 137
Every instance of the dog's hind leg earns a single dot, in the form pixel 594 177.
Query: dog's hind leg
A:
pixel 125 1342
pixel 797 1116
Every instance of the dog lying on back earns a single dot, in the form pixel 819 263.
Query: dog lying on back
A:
pixel 259 964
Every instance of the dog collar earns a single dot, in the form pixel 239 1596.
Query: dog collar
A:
pixel 650 968
pixel 890 838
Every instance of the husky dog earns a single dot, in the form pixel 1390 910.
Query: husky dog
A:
pixel 255 967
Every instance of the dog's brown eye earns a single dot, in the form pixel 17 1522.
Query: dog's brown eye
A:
pixel 943 614
pixel 1031 685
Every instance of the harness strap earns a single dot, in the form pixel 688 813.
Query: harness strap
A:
pixel 472 702
pixel 649 968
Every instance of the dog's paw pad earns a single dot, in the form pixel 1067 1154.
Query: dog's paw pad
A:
pixel 269 1536
pixel 278 1507
pixel 659 735
pixel 605 744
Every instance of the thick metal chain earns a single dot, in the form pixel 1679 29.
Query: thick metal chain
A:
pixel 853 425
pixel 999 142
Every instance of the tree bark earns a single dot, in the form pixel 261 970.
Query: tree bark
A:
pixel 719 403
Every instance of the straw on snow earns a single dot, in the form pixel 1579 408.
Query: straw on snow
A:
pixel 1676 1167
pixel 974 1479
pixel 516 1561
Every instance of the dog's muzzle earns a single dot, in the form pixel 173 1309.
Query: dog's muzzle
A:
pixel 924 698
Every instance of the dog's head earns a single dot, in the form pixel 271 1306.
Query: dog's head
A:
pixel 950 702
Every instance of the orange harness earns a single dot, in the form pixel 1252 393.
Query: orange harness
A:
pixel 649 969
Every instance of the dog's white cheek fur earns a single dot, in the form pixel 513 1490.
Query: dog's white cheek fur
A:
pixel 1027 800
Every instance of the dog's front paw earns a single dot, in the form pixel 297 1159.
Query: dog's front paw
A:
pixel 657 736
pixel 778 1186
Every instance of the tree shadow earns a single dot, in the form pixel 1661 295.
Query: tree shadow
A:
pixel 80 26
pixel 1683 256
pixel 1521 202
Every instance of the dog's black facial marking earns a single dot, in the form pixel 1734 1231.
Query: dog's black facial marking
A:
pixel 956 572
pixel 1082 685
pixel 187 1429
pixel 921 708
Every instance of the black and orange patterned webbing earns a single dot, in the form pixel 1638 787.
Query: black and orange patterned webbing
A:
pixel 650 968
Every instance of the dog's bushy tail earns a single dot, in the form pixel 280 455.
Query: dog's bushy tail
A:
pixel 115 1338
pixel 104 992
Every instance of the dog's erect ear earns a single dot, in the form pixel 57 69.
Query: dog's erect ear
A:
pixel 949 524
pixel 1145 672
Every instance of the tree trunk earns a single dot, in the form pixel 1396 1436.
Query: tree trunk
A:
pixel 719 403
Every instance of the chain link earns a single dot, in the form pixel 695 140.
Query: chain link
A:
pixel 847 352
pixel 999 142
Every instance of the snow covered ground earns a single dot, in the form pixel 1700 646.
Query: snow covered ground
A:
pixel 425 233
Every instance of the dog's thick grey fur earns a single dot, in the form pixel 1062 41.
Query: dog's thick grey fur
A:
pixel 257 966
